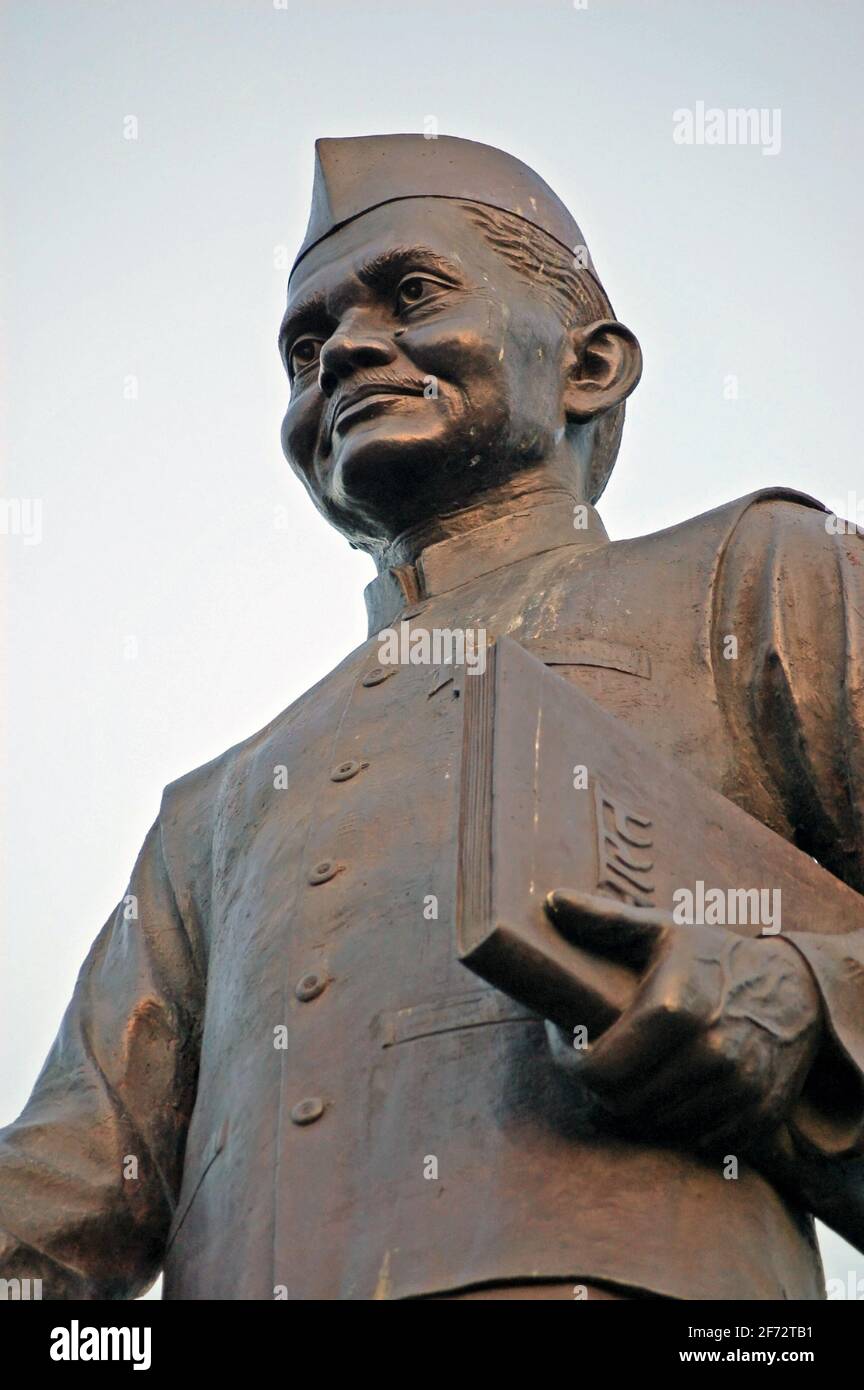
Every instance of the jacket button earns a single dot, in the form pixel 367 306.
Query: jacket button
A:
pixel 310 986
pixel 326 869
pixel 307 1111
pixel 378 674
pixel 343 772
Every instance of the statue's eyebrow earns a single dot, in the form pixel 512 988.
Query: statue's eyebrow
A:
pixel 381 272
pixel 307 314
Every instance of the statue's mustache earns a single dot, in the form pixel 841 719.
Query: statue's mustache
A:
pixel 361 386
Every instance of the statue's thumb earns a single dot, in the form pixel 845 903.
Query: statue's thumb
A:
pixel 606 925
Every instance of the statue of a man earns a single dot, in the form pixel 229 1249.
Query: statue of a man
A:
pixel 275 1077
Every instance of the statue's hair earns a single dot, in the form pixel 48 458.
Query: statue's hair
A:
pixel 571 291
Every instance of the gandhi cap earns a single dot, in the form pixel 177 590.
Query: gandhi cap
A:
pixel 359 173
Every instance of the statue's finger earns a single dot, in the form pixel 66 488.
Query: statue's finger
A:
pixel 635 1045
pixel 665 1094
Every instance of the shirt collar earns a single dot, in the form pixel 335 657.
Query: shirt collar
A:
pixel 532 527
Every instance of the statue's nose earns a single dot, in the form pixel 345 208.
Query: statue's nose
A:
pixel 352 347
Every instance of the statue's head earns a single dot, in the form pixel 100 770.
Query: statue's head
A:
pixel 445 331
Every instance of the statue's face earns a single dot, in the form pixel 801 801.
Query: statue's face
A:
pixel 423 369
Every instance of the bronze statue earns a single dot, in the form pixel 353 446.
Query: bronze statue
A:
pixel 276 1079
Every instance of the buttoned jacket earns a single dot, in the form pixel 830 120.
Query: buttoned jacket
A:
pixel 320 1101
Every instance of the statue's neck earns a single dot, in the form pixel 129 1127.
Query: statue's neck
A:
pixel 525 491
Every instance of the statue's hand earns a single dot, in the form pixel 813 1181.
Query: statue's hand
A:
pixel 720 1035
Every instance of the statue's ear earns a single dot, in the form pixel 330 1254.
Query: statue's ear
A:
pixel 604 365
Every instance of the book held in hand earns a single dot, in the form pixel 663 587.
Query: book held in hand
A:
pixel 558 794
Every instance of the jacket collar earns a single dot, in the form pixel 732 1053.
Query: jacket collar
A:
pixel 533 526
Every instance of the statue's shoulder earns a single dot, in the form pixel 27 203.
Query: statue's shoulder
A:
pixel 192 798
pixel 702 537
pixel 193 804
pixel 197 795
pixel 662 586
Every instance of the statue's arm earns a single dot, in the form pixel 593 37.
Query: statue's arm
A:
pixel 90 1171
pixel 756 1046
pixel 793 592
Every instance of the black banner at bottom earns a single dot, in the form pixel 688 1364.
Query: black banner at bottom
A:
pixel 150 1337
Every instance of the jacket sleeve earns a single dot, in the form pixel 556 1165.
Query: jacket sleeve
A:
pixel 792 593
pixel 90 1171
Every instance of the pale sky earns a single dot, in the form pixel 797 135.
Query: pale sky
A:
pixel 165 613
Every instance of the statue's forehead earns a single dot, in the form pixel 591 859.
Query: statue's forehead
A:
pixel 440 225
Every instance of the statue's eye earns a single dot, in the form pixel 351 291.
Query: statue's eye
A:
pixel 304 353
pixel 414 289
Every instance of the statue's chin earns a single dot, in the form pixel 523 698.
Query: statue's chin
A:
pixel 390 470
pixel 403 468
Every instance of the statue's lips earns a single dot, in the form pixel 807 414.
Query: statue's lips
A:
pixel 366 402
